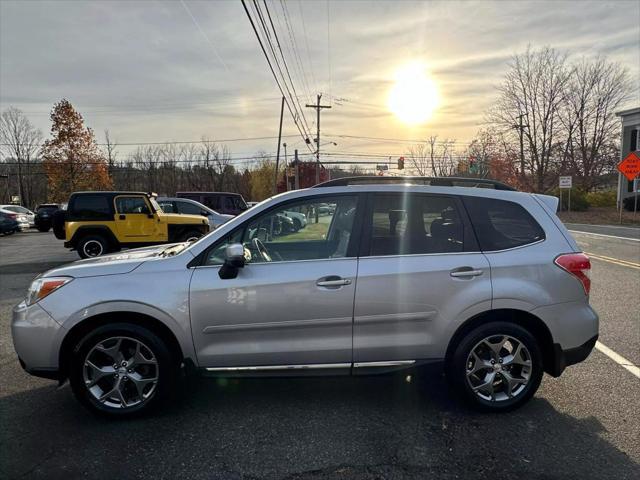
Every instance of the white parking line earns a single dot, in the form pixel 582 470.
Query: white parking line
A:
pixel 606 236
pixel 619 359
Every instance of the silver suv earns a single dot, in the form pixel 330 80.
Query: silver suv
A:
pixel 484 282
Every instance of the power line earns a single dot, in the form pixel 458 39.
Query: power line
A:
pixel 185 142
pixel 294 97
pixel 294 45
pixel 306 42
pixel 266 56
pixel 206 37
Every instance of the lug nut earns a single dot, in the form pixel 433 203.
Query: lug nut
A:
pixel 500 360
pixel 493 362
pixel 124 364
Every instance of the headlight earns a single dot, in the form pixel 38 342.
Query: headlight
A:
pixel 41 287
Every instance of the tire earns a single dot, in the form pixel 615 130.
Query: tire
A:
pixel 190 235
pixel 297 224
pixel 523 367
pixel 92 246
pixel 44 228
pixel 148 384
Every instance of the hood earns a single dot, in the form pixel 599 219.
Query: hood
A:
pixel 180 218
pixel 113 264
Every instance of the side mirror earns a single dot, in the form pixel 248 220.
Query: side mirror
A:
pixel 234 260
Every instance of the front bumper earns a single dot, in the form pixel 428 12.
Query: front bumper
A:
pixel 36 339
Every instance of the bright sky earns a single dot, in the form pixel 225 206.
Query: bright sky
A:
pixel 154 71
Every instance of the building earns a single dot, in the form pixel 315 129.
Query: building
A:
pixel 630 142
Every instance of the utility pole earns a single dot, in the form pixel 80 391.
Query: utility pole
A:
pixel 521 128
pixel 286 173
pixel 317 106
pixel 296 185
pixel 275 173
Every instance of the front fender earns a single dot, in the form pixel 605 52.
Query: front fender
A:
pixel 182 335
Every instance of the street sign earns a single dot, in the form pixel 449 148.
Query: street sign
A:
pixel 630 166
pixel 565 181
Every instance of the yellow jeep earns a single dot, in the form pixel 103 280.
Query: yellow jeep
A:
pixel 100 222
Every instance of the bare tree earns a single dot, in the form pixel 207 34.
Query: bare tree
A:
pixel 110 151
pixel 534 88
pixel 20 140
pixel 595 90
pixel 433 157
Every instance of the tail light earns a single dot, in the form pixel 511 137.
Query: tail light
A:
pixel 578 265
pixel 12 216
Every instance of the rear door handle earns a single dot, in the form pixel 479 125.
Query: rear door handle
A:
pixel 333 281
pixel 465 272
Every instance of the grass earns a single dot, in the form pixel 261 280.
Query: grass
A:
pixel 601 216
pixel 313 231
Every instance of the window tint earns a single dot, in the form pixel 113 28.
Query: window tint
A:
pixel 326 234
pixel 415 224
pixel 167 206
pixel 131 205
pixel 229 204
pixel 501 224
pixel 188 208
pixel 211 202
pixel 92 207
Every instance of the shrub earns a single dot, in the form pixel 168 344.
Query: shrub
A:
pixel 602 199
pixel 579 201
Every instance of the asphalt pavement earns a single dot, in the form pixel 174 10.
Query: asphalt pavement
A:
pixel 584 424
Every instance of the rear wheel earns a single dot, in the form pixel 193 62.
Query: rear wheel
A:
pixel 297 224
pixel 496 367
pixel 122 370
pixel 92 246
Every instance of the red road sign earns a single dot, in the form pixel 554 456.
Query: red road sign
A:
pixel 630 166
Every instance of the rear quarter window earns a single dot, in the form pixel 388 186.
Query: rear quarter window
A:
pixel 91 207
pixel 501 224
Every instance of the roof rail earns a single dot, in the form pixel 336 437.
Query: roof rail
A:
pixel 431 181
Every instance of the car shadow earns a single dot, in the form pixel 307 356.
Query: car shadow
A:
pixel 307 428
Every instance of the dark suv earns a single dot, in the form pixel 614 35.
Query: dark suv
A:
pixel 44 216
pixel 222 202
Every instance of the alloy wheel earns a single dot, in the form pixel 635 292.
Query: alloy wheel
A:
pixel 121 372
pixel 498 368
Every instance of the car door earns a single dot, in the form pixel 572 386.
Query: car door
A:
pixel 134 220
pixel 290 309
pixel 420 274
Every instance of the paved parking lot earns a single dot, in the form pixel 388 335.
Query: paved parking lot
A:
pixel 584 424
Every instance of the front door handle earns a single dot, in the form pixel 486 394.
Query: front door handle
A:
pixel 333 281
pixel 122 217
pixel 465 272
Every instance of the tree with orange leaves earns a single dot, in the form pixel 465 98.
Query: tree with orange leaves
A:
pixel 71 158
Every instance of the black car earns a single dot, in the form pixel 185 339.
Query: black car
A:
pixel 44 215
pixel 8 225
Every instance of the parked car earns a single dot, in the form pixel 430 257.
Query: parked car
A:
pixel 20 210
pixel 222 202
pixel 252 204
pixel 96 223
pixel 485 283
pixel 631 203
pixel 43 220
pixel 191 207
pixel 21 219
pixel 8 224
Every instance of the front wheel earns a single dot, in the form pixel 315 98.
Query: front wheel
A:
pixel 190 236
pixel 121 370
pixel 496 367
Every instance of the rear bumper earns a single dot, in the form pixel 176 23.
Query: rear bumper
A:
pixel 570 356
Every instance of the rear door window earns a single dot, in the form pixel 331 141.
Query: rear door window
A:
pixel 413 224
pixel 501 224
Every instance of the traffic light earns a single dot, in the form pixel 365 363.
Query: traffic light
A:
pixel 401 163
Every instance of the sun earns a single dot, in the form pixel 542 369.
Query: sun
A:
pixel 414 95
